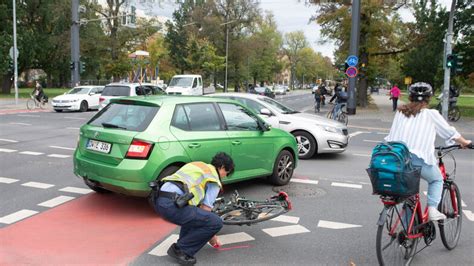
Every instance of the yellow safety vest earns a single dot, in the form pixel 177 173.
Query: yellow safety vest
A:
pixel 195 176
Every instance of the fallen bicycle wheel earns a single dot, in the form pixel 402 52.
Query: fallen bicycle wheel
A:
pixel 252 215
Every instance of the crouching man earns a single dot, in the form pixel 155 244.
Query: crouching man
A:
pixel 186 198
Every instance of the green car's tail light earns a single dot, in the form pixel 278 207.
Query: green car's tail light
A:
pixel 139 149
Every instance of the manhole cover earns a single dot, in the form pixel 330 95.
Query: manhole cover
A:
pixel 300 190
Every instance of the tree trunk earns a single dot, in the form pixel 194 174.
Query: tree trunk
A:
pixel 7 82
pixel 364 60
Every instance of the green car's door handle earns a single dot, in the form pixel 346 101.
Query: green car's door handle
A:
pixel 194 145
pixel 236 142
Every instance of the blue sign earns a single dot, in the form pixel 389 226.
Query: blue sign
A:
pixel 352 60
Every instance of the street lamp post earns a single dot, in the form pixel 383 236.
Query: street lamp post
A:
pixel 15 55
pixel 226 50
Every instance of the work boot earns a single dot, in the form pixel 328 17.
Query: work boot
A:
pixel 181 257
pixel 435 215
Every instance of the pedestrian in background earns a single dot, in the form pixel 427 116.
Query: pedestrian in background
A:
pixel 317 99
pixel 394 95
pixel 324 92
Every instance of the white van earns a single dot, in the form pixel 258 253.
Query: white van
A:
pixel 185 85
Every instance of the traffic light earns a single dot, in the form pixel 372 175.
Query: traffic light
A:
pixel 11 67
pixel 458 68
pixel 82 67
pixel 71 65
pixel 451 61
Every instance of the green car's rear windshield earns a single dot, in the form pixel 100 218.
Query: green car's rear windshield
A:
pixel 125 116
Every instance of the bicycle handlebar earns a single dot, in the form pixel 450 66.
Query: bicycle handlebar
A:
pixel 456 146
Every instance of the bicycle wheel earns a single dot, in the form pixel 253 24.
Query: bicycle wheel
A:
pixel 30 104
pixel 329 114
pixel 454 114
pixel 42 104
pixel 393 245
pixel 450 229
pixel 343 118
pixel 252 215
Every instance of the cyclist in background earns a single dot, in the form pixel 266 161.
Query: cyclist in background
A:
pixel 414 124
pixel 453 96
pixel 341 97
pixel 38 92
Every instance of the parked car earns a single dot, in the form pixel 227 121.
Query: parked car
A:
pixel 117 90
pixel 263 91
pixel 135 140
pixel 280 90
pixel 81 98
pixel 314 134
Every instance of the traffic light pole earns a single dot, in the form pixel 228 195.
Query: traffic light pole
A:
pixel 75 53
pixel 15 55
pixel 353 50
pixel 447 70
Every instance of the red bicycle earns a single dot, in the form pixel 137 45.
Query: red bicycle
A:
pixel 402 223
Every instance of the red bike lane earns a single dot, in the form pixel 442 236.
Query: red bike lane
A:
pixel 94 229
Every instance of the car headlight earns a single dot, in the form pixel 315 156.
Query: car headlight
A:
pixel 331 129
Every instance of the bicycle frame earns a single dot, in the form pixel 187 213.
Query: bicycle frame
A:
pixel 417 210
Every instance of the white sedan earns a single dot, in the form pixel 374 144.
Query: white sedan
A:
pixel 313 133
pixel 80 98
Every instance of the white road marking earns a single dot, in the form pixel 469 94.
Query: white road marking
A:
pixel 56 201
pixel 363 155
pixel 37 185
pixel 357 133
pixel 304 181
pixel 335 225
pixel 337 184
pixel 382 133
pixel 287 219
pixel 75 128
pixel 78 118
pixel 21 124
pixel 63 148
pixel 76 190
pixel 161 249
pixel 31 153
pixel 9 140
pixel 425 192
pixel 17 216
pixel 7 180
pixel 463 203
pixel 286 230
pixel 374 141
pixel 365 183
pixel 29 115
pixel 469 215
pixel 7 150
pixel 235 238
pixel 59 155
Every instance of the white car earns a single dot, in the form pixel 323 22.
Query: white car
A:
pixel 80 98
pixel 117 90
pixel 185 85
pixel 313 133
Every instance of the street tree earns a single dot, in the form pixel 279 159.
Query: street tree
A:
pixel 292 45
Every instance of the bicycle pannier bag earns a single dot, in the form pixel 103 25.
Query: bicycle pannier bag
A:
pixel 391 172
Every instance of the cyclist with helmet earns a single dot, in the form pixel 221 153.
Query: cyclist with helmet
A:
pixel 417 126
pixel 341 98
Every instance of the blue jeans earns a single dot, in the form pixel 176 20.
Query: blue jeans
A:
pixel 335 111
pixel 197 225
pixel 433 176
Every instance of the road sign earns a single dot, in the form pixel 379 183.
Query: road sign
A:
pixel 11 52
pixel 408 80
pixel 352 60
pixel 352 72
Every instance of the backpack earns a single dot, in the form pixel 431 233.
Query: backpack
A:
pixel 343 95
pixel 391 172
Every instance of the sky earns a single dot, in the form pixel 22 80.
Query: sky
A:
pixel 293 15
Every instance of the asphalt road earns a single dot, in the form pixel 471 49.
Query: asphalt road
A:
pixel 333 220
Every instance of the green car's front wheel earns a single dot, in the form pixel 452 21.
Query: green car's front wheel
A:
pixel 283 168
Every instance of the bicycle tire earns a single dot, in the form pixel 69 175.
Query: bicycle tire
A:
pixel 450 229
pixel 42 105
pixel 239 216
pixel 30 104
pixel 343 118
pixel 454 114
pixel 399 249
pixel 329 114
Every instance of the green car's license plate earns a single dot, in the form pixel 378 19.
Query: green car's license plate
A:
pixel 99 146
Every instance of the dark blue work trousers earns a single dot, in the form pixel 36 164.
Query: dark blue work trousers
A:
pixel 197 225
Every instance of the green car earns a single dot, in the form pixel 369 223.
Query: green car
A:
pixel 136 140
